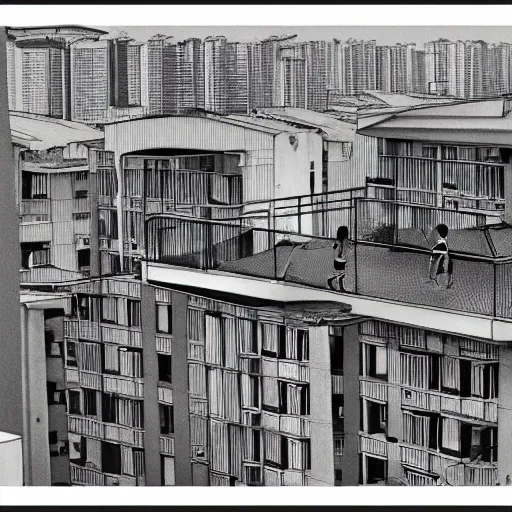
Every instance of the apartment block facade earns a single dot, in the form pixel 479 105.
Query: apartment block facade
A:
pixel 188 358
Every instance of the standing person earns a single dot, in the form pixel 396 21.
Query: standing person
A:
pixel 340 247
pixel 440 260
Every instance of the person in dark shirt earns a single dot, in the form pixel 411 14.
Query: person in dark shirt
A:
pixel 440 260
pixel 340 247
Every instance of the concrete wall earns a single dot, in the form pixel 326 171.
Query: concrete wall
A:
pixel 151 412
pixel 57 417
pixel 11 419
pixel 180 389
pixel 350 459
pixel 292 164
pixel 322 444
pixel 11 460
pixel 505 416
pixel 35 405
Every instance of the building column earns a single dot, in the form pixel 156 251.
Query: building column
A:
pixel 508 191
pixel 321 431
pixel 182 449
pixel 11 419
pixel 351 408
pixel 505 416
pixel 36 448
pixel 151 411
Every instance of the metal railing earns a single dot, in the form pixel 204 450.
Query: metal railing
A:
pixel 389 256
pixel 456 183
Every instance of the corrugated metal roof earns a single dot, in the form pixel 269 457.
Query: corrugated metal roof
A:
pixel 41 133
pixel 405 100
pixel 463 122
pixel 335 129
pixel 274 125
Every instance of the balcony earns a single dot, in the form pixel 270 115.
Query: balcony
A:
pixel 121 335
pixel 85 426
pixel 167 445
pixel 35 210
pixel 372 445
pixel 48 274
pixel 127 386
pixel 163 343
pixel 389 258
pixel 453 470
pixel 452 184
pixel 86 476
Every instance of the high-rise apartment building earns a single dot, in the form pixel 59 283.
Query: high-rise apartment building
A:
pixel 39 68
pixel 99 78
pixel 225 76
pixel 265 70
pixel 359 67
pixel 395 68
pixel 156 75
pixel 501 70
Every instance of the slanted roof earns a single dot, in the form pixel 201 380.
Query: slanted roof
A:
pixel 471 122
pixel 406 100
pixel 274 125
pixel 40 133
pixel 334 129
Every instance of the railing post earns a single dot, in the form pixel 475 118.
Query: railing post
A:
pixel 355 243
pixel 299 214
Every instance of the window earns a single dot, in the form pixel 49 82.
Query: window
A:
pixel 168 470
pixel 336 345
pixel 164 318
pixel 164 368
pixel 338 416
pixel 34 185
pixel 74 402
pixel 484 380
pixel 377 417
pixel 166 419
pixel 253 475
pixel 90 408
pixel 110 458
pixel 88 308
pixel 376 470
pixel 108 224
pixel 376 361
pixel 122 411
pixel 81 194
pixel 53 348
pixel 312 165
pixel 429 151
pixel 81 216
pixel 84 259
pixel 35 254
pixel 52 437
pixel 293 398
pixel 71 359
pixel 271 335
pixel 55 396
pixel 312 182
pixel 133 313
pixel 421 429
pixel 338 476
pixel 296 344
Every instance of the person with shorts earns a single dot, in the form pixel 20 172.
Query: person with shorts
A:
pixel 440 260
pixel 340 247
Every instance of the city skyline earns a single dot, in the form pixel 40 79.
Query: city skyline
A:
pixel 388 35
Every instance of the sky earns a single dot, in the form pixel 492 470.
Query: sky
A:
pixel 383 35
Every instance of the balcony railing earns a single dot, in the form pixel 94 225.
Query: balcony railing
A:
pixel 389 257
pixel 455 184
pixel 35 210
